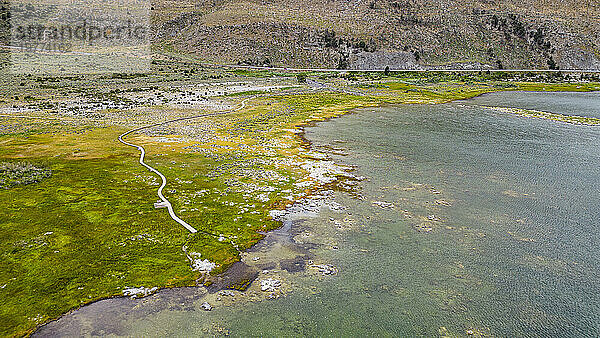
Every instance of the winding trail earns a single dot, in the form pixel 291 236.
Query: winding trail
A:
pixel 163 199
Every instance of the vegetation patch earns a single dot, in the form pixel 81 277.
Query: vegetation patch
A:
pixel 93 220
pixel 572 119
pixel 21 173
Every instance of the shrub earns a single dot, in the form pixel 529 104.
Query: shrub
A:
pixel 21 173
pixel 301 78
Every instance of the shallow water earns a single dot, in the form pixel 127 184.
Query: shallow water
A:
pixel 483 221
pixel 579 104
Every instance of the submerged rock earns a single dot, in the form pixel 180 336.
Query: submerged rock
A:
pixel 384 205
pixel 206 307
pixel 293 265
pixel 270 285
pixel 227 293
pixel 139 292
pixel 325 269
pixel 444 203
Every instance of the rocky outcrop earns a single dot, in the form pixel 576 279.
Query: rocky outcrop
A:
pixel 573 58
pixel 382 59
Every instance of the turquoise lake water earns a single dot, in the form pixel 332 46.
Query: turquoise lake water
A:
pixel 469 221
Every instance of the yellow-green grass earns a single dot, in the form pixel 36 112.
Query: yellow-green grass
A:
pixel 66 240
pixel 72 238
pixel 441 92
pixel 558 87
pixel 572 119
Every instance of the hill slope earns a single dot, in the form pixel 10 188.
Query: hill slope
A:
pixel 371 34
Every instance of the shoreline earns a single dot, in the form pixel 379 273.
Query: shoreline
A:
pixel 304 142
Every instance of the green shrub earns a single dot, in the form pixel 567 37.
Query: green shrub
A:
pixel 21 173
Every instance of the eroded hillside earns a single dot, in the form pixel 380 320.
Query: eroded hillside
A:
pixel 376 33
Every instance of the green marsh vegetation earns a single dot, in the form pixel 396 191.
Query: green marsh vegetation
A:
pixel 89 230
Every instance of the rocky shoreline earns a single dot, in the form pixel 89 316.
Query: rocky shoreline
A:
pixel 264 272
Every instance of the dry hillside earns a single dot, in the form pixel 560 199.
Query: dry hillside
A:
pixel 375 33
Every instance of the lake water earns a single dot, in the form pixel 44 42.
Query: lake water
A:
pixel 469 221
pixel 580 104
